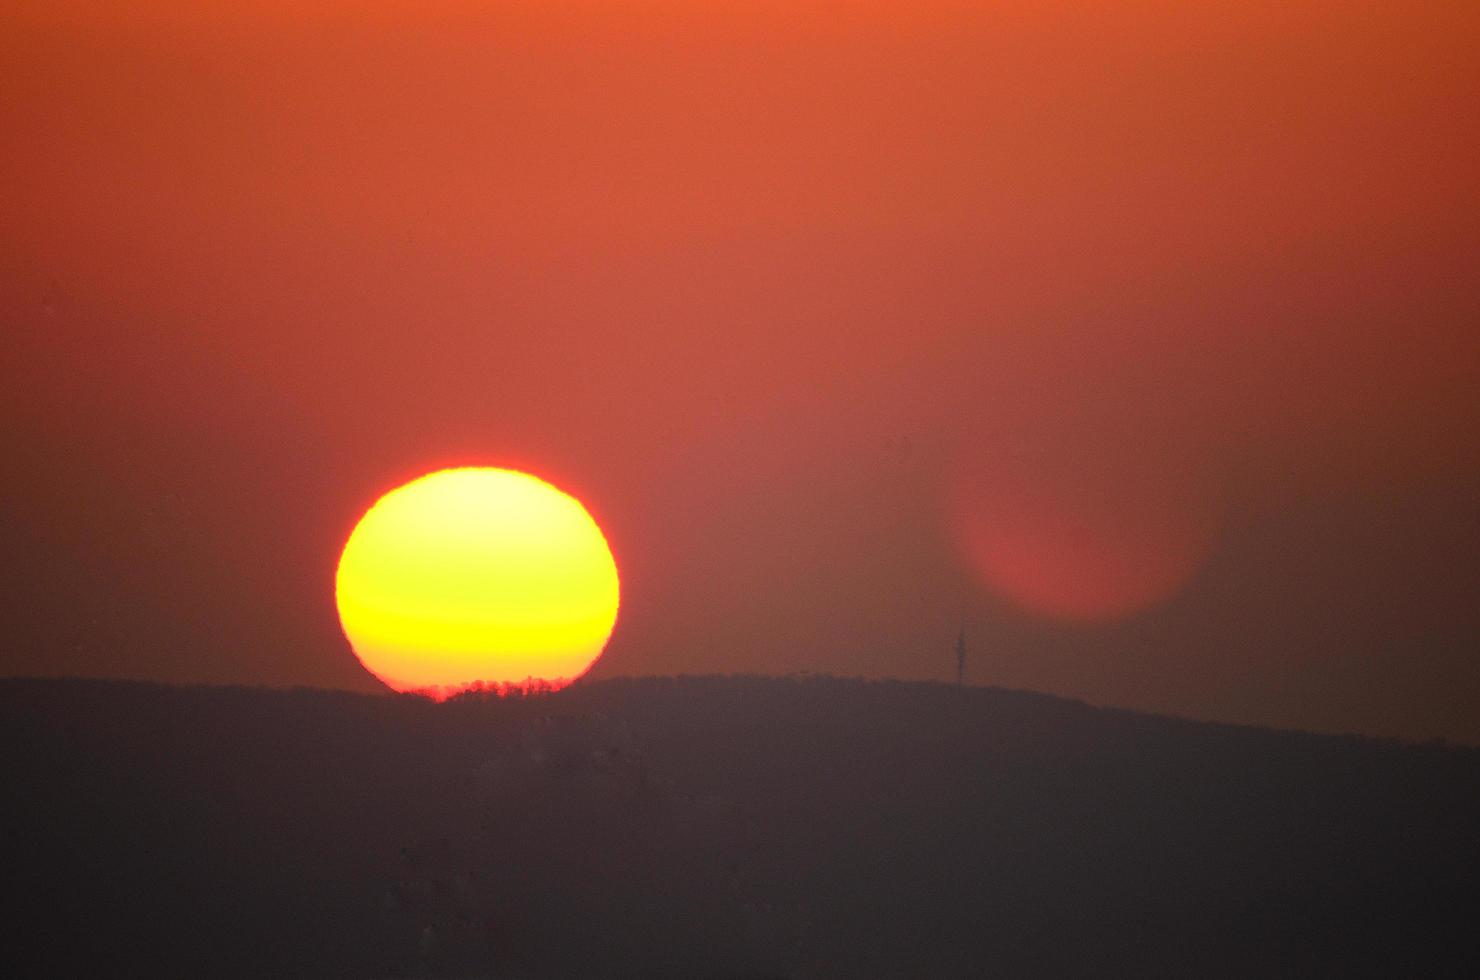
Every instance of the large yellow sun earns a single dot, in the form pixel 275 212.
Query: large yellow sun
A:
pixel 476 576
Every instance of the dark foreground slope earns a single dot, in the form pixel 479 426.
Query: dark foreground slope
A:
pixel 717 828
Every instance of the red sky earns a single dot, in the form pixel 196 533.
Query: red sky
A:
pixel 756 281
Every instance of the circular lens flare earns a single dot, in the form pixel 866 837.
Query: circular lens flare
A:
pixel 476 577
pixel 1082 531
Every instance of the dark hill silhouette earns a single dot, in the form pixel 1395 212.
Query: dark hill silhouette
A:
pixel 717 828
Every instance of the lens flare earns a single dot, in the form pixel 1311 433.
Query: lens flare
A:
pixel 1081 530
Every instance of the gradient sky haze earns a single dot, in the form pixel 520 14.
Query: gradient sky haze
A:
pixel 765 285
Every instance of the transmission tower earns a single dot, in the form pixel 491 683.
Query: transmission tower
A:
pixel 961 657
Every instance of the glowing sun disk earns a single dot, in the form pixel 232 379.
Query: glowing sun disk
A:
pixel 476 575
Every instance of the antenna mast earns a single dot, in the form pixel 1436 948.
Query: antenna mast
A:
pixel 961 657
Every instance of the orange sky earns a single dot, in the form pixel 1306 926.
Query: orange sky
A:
pixel 749 279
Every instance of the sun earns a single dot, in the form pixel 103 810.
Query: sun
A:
pixel 476 576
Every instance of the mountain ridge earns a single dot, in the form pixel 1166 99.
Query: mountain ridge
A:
pixel 720 826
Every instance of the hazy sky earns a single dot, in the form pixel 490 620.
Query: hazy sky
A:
pixel 778 290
